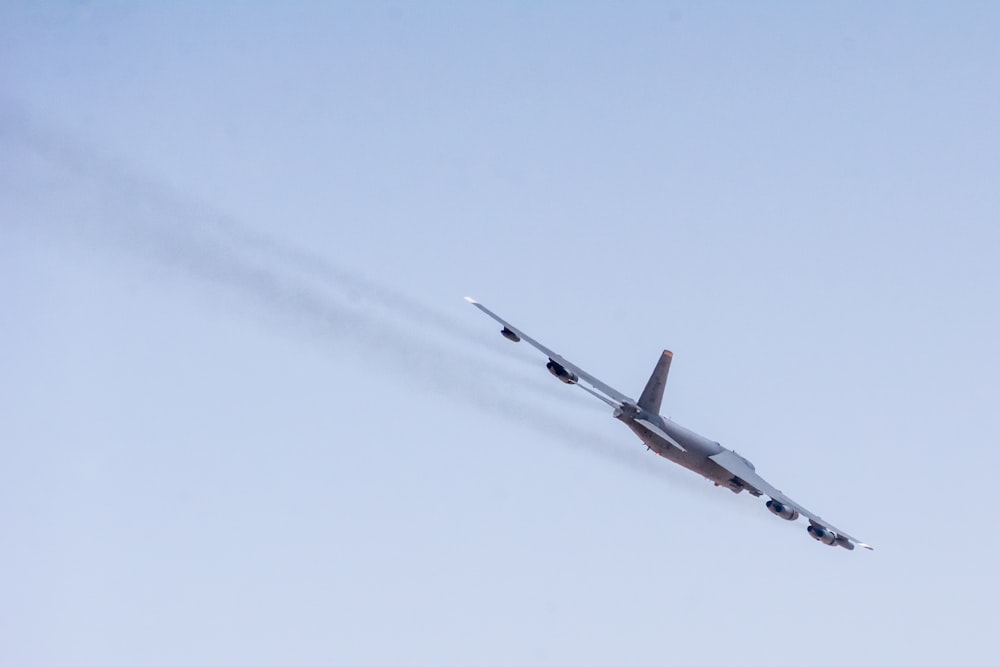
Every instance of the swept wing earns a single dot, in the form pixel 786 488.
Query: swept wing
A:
pixel 604 392
pixel 734 464
pixel 620 398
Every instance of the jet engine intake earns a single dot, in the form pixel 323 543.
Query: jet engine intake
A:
pixel 823 535
pixel 784 512
pixel 561 373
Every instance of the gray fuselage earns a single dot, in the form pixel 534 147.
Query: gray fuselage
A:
pixel 698 448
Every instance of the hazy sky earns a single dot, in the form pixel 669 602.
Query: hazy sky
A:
pixel 247 419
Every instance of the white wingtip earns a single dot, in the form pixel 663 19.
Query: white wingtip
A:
pixel 866 546
pixel 471 300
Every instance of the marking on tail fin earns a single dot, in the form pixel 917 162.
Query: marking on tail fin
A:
pixel 652 395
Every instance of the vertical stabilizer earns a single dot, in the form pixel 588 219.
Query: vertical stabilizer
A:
pixel 652 395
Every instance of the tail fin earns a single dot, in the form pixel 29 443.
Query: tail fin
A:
pixel 652 395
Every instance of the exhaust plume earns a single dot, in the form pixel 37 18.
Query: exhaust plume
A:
pixel 114 207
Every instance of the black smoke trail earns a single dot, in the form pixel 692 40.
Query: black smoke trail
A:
pixel 112 206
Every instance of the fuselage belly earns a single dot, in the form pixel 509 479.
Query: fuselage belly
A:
pixel 695 458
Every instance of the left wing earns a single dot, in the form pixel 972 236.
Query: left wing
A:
pixel 734 464
pixel 611 392
pixel 604 392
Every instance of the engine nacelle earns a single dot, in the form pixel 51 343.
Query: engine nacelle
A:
pixel 823 535
pixel 561 373
pixel 846 543
pixel 784 512
pixel 510 335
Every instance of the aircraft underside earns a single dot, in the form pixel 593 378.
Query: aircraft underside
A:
pixel 696 461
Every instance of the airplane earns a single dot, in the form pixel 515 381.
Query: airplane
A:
pixel 672 441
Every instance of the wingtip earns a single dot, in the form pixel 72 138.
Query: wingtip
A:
pixel 471 300
pixel 866 546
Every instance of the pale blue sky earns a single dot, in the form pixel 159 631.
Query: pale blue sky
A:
pixel 247 419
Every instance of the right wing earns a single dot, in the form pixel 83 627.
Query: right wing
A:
pixel 736 465
pixel 619 398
